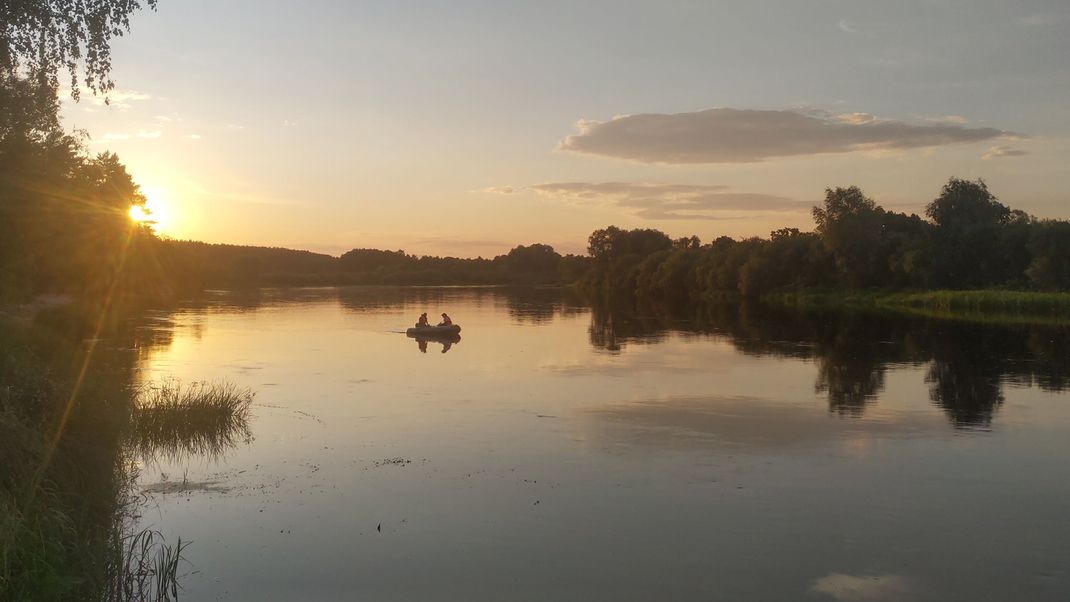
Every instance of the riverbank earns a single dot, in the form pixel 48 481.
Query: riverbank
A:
pixel 975 305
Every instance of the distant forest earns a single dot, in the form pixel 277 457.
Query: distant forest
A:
pixel 65 228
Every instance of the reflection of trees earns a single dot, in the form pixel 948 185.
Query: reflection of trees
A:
pixel 967 363
pixel 613 328
pixel 967 395
pixel 850 384
pixel 539 305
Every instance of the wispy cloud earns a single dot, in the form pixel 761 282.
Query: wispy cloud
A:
pixel 149 134
pixel 996 152
pixel 846 27
pixel 117 99
pixel 948 119
pixel 1039 20
pixel 726 135
pixel 661 200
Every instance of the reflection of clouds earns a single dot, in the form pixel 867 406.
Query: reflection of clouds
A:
pixel 714 421
pixel 864 588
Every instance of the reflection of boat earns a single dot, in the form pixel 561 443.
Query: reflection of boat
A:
pixel 434 332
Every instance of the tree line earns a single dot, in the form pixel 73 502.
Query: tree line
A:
pixel 968 240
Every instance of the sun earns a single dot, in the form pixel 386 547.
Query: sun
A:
pixel 156 212
pixel 139 214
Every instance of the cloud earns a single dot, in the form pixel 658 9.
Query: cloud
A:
pixel 726 135
pixel 866 588
pixel 845 27
pixel 660 200
pixel 1039 20
pixel 149 133
pixel 948 119
pixel 118 98
pixel 996 152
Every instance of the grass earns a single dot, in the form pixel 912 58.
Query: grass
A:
pixel 141 566
pixel 1001 306
pixel 73 534
pixel 172 420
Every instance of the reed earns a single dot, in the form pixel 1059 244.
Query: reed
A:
pixel 984 305
pixel 173 420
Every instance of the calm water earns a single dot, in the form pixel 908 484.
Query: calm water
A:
pixel 560 453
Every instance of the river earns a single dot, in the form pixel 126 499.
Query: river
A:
pixel 564 452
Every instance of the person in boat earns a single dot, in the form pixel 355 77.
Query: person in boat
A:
pixel 446 321
pixel 422 321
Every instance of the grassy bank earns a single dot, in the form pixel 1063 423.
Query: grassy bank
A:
pixel 71 424
pixel 979 305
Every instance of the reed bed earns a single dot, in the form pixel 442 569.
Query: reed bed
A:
pixel 173 420
pixel 983 305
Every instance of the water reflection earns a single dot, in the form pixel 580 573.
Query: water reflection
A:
pixel 690 422
pixel 446 340
pixel 968 364
pixel 746 452
pixel 865 588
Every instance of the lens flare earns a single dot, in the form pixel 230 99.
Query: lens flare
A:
pixel 139 214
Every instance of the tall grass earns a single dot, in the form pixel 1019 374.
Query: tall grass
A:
pixel 140 565
pixel 982 305
pixel 172 420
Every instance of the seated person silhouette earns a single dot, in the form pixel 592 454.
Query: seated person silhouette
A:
pixel 446 321
pixel 422 321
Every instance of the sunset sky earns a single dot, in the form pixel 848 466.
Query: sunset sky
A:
pixel 465 128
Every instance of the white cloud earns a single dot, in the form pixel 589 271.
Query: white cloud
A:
pixel 725 135
pixel 193 136
pixel 661 200
pixel 117 99
pixel 845 27
pixel 149 133
pixel 996 152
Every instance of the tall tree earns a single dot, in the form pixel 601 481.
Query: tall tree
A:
pixel 964 203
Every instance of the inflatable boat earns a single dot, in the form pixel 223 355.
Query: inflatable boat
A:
pixel 434 331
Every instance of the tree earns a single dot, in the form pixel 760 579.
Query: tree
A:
pixel 42 38
pixel 850 226
pixel 533 258
pixel 963 204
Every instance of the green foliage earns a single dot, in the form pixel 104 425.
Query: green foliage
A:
pixel 964 204
pixel 973 242
pixel 43 38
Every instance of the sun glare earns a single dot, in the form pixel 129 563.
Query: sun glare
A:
pixel 139 214
pixel 156 210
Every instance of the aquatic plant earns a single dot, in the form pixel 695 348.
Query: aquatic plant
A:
pixel 173 420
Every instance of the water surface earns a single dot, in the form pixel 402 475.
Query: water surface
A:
pixel 559 452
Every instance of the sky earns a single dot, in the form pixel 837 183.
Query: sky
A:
pixel 466 128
